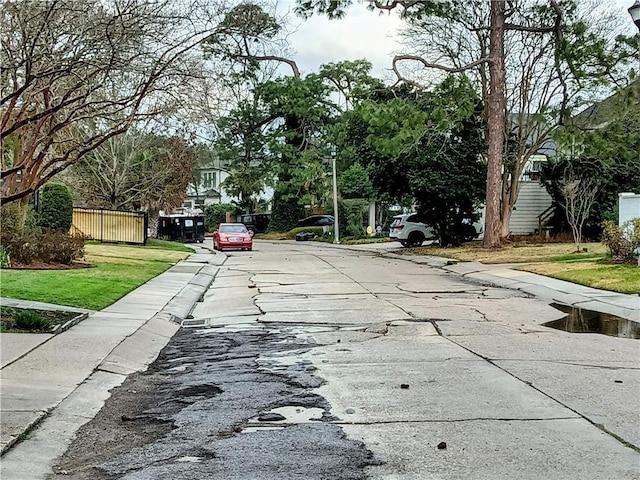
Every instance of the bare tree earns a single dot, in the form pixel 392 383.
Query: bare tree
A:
pixel 75 74
pixel 578 193
pixel 134 170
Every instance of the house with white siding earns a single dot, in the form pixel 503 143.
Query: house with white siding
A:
pixel 628 207
pixel 534 205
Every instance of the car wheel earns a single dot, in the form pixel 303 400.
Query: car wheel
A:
pixel 249 248
pixel 416 239
pixel 469 233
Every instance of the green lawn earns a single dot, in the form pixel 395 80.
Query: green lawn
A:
pixel 117 270
pixel 605 276
pixel 591 266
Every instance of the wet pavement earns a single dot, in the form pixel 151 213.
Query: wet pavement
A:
pixel 381 367
pixel 580 320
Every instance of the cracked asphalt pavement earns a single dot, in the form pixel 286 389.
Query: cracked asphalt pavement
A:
pixel 312 362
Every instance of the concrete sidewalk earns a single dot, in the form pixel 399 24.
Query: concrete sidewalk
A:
pixel 39 371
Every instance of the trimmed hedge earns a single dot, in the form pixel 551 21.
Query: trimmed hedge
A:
pixel 56 207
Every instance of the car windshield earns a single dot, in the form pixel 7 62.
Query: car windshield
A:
pixel 233 229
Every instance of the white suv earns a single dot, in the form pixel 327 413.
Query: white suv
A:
pixel 409 230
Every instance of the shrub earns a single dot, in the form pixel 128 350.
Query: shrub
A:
pixel 216 214
pixel 59 247
pixel 285 212
pixel 353 217
pixel 18 232
pixel 622 240
pixel 5 258
pixel 30 320
pixel 56 207
pixel 23 242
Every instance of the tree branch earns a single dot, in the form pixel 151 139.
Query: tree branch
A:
pixel 425 64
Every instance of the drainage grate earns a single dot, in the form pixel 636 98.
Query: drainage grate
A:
pixel 195 323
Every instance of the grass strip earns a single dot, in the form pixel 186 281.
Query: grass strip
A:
pixel 615 278
pixel 118 269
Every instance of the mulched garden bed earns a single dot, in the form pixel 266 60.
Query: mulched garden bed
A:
pixel 55 318
pixel 37 265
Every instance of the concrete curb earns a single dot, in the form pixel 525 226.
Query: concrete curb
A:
pixel 181 305
pixel 67 325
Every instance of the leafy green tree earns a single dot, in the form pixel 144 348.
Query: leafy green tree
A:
pixel 427 146
pixel 303 113
pixel 532 59
pixel 243 147
pixel 216 213
pixel 355 183
pixel 56 207
pixel 602 142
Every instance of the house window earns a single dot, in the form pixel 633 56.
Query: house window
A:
pixel 536 166
pixel 533 169
pixel 208 179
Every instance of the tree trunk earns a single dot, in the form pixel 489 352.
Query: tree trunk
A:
pixel 153 218
pixel 507 211
pixel 495 124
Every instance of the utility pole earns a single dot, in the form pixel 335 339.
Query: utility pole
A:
pixel 336 232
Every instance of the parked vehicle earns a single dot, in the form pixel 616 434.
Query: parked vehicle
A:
pixel 409 230
pixel 232 235
pixel 255 222
pixel 304 236
pixel 316 221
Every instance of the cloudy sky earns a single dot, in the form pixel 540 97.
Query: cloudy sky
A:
pixel 361 34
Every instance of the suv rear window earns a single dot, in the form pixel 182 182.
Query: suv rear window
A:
pixel 416 218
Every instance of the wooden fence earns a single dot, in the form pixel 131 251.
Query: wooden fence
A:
pixel 110 225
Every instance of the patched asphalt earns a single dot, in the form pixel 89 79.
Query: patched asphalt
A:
pixel 204 409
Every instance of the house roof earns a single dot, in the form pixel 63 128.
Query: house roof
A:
pixel 210 193
pixel 620 105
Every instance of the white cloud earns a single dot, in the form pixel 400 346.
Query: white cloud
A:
pixel 361 34
pixel 366 34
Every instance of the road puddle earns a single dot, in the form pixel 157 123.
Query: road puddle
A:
pixel 580 320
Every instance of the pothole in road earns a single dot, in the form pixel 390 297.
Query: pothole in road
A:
pixel 580 320
pixel 287 415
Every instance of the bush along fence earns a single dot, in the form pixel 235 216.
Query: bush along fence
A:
pixel 110 225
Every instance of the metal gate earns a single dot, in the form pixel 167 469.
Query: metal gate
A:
pixel 110 225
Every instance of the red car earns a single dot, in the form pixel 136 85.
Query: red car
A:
pixel 232 235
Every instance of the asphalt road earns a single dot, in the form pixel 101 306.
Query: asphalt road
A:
pixel 310 362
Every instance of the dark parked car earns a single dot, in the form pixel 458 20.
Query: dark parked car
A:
pixel 303 236
pixel 316 221
pixel 255 222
